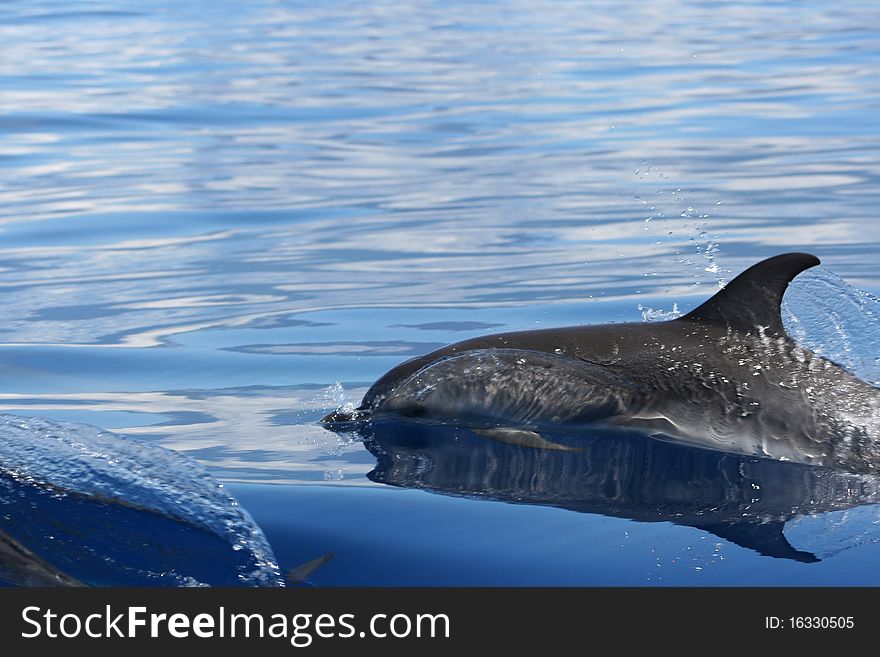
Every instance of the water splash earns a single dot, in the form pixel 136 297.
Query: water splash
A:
pixel 334 397
pixel 840 322
pixel 79 461
pixel 691 223
pixel 709 250
pixel 829 534
pixel 658 315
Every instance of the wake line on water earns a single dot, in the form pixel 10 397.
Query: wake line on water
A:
pixel 836 320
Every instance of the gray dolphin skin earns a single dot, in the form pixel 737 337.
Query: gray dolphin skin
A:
pixel 21 567
pixel 725 376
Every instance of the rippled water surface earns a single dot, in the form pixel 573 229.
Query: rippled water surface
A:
pixel 219 220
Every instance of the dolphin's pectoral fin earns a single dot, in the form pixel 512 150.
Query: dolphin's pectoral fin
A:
pixel 754 297
pixel 658 427
pixel 764 538
pixel 302 572
pixel 523 438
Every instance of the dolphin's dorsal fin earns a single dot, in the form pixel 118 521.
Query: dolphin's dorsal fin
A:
pixel 764 538
pixel 753 298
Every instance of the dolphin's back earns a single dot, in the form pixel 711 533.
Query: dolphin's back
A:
pixel 569 341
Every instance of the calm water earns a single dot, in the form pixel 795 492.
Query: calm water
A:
pixel 219 220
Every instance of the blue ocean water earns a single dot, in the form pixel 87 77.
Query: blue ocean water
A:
pixel 219 220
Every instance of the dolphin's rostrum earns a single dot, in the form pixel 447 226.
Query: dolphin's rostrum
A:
pixel 725 376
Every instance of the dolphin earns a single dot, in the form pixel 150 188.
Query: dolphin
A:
pixel 743 499
pixel 19 566
pixel 725 376
pixel 84 507
pixel 55 537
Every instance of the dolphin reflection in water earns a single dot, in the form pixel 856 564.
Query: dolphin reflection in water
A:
pixel 743 499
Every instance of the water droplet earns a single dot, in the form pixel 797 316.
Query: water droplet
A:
pixel 333 474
